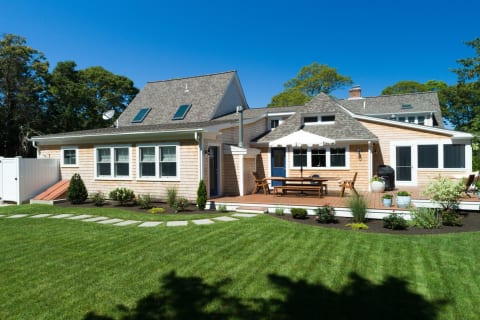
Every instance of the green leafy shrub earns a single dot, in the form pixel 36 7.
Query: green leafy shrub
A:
pixel 171 196
pixel 450 217
pixel 156 210
pixel 122 195
pixel 145 201
pixel 357 226
pixel 298 213
pixel 387 196
pixel 180 204
pixel 279 211
pixel 98 198
pixel 201 195
pixel 222 208
pixel 358 206
pixel 403 193
pixel 395 222
pixel 325 214
pixel 77 192
pixel 445 192
pixel 427 218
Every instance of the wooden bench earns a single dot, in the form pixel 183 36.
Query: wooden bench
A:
pixel 300 187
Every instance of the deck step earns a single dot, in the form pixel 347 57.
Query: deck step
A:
pixel 57 191
pixel 250 209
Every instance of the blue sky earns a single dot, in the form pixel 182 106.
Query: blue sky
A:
pixel 376 43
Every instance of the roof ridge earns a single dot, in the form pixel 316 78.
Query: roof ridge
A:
pixel 197 76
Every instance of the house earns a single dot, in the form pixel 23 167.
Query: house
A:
pixel 179 131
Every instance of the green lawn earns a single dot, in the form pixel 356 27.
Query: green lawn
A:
pixel 255 268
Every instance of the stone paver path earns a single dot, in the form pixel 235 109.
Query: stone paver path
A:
pixel 121 222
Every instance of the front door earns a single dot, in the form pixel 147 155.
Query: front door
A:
pixel 403 163
pixel 278 164
pixel 214 170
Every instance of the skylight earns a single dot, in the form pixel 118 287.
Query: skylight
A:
pixel 181 112
pixel 407 106
pixel 141 115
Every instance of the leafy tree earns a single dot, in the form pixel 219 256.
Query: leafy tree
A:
pixel 470 67
pixel 409 86
pixel 23 80
pixel 310 81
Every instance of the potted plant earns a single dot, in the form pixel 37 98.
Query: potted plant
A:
pixel 377 184
pixel 387 200
pixel 403 199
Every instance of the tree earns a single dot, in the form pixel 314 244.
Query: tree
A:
pixel 310 81
pixel 470 67
pixel 23 81
pixel 409 86
pixel 201 195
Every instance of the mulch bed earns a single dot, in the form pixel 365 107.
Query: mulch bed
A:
pixel 470 222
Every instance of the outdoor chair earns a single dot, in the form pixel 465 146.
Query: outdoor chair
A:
pixel 260 183
pixel 350 184
pixel 324 186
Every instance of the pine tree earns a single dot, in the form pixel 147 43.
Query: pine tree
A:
pixel 202 195
pixel 77 192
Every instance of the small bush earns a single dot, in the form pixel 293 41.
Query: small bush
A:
pixel 279 211
pixel 357 226
pixel 156 210
pixel 180 204
pixel 403 193
pixel 445 192
pixel 387 196
pixel 171 196
pixel 299 213
pixel 325 214
pixel 222 208
pixel 201 195
pixel 426 218
pixel 145 201
pixel 395 222
pixel 122 195
pixel 450 217
pixel 358 206
pixel 77 192
pixel 98 198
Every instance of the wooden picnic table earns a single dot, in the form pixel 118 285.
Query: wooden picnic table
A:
pixel 301 184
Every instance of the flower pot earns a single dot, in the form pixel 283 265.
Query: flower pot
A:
pixel 377 186
pixel 387 202
pixel 403 201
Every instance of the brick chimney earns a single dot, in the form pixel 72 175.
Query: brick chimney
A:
pixel 355 92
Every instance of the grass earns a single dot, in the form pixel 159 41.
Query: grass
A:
pixel 257 268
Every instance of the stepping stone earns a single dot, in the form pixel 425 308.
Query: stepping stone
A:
pixel 150 224
pixel 80 217
pixel 203 221
pixel 226 219
pixel 110 221
pixel 126 223
pixel 61 216
pixel 95 219
pixel 43 215
pixel 2 215
pixel 177 223
pixel 244 215
pixel 16 216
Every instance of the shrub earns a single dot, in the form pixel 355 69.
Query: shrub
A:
pixel 450 217
pixel 77 192
pixel 156 210
pixel 357 226
pixel 395 222
pixel 171 196
pixel 426 218
pixel 376 178
pixel 445 192
pixel 279 211
pixel 180 204
pixel 122 195
pixel 222 208
pixel 299 213
pixel 325 214
pixel 201 195
pixel 387 196
pixel 358 206
pixel 98 199
pixel 403 193
pixel 145 201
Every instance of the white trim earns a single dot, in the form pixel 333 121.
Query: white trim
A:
pixel 62 161
pixel 157 147
pixel 112 148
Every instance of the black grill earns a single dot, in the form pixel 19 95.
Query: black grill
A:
pixel 388 175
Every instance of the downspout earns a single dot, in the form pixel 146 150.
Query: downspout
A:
pixel 370 167
pixel 34 144
pixel 199 140
pixel 240 126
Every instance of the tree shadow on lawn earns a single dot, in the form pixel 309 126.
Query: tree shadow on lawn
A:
pixel 188 297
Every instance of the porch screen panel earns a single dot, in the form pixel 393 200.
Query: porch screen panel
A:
pixel 168 161
pixel 299 157
pixel 428 156
pixel 454 156
pixel 404 164
pixel 147 161
pixel 337 157
pixel 319 158
pixel 122 166
pixel 103 162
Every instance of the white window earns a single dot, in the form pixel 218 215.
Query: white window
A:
pixel 69 157
pixel 112 162
pixel 315 158
pixel 159 161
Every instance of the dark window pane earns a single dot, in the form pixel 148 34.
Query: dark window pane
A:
pixel 454 156
pixel 69 157
pixel 168 169
pixel 147 169
pixel 299 157
pixel 103 169
pixel 121 169
pixel 428 156
pixel 310 119
pixel 337 157
pixel 319 158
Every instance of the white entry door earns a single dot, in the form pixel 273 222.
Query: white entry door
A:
pixel 9 179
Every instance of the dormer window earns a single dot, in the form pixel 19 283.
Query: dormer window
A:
pixel 319 119
pixel 181 112
pixel 141 115
pixel 329 118
pixel 310 119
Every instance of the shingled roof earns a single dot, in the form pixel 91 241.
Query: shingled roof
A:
pixel 211 96
pixel 345 127
pixel 409 103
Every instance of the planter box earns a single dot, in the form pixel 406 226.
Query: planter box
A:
pixel 377 186
pixel 403 201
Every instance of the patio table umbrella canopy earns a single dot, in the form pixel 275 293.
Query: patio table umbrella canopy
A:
pixel 301 138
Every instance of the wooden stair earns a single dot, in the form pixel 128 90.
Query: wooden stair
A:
pixel 55 192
